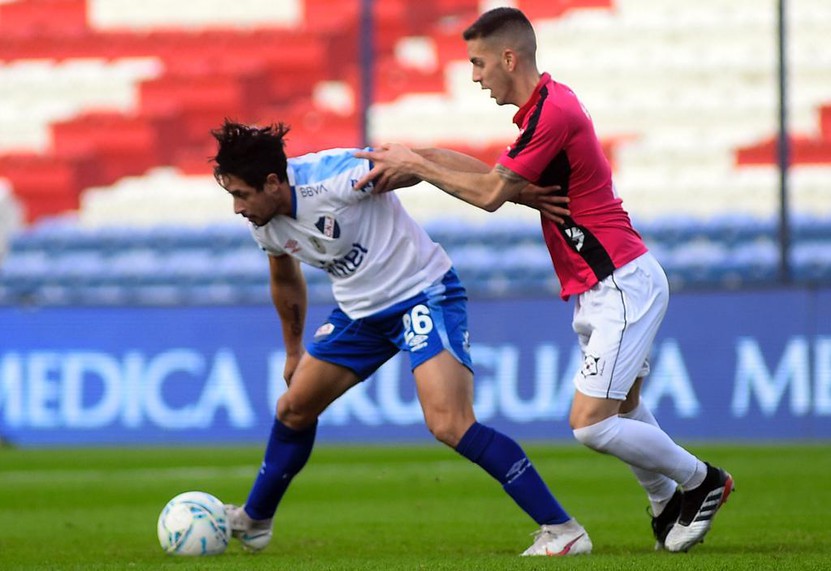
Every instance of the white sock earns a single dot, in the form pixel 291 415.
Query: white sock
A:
pixel 644 446
pixel 659 488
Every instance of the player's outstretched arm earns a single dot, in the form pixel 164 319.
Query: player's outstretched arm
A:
pixel 464 177
pixel 388 178
pixel 486 190
pixel 288 293
pixel 454 160
pixel 545 199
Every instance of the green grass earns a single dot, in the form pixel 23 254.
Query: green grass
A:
pixel 404 507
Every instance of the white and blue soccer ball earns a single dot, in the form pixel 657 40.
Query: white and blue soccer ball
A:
pixel 194 523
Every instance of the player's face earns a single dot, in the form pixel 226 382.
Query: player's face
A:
pixel 258 207
pixel 489 69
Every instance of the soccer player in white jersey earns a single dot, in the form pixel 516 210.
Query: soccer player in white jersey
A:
pixel 396 290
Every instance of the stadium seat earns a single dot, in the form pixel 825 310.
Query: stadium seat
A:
pixel 754 263
pixel 43 17
pixel 194 14
pixel 136 268
pixel 242 266
pixel 811 261
pixel 697 263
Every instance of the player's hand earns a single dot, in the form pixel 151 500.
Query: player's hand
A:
pixel 292 360
pixel 389 168
pixel 545 199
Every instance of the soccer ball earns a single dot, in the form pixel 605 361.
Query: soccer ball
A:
pixel 194 523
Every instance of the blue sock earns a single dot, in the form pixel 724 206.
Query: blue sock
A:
pixel 506 461
pixel 286 454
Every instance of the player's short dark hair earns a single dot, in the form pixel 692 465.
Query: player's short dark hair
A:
pixel 496 21
pixel 250 153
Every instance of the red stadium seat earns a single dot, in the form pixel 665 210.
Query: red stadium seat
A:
pixel 47 185
pixel 803 150
pixel 43 17
pixel 313 129
pixel 825 122
pixel 121 145
pixel 535 9
pixel 392 80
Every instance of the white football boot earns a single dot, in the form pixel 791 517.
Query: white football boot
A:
pixel 698 508
pixel 663 523
pixel 253 533
pixel 569 538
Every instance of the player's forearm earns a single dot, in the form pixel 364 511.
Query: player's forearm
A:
pixel 291 308
pixel 288 293
pixel 453 160
pixel 485 190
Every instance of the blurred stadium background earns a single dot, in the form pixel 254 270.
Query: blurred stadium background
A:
pixel 134 305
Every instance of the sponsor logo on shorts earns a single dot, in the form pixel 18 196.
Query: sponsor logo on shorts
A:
pixel 591 366
pixel 417 342
pixel 324 330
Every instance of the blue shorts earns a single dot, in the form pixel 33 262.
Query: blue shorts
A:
pixel 424 326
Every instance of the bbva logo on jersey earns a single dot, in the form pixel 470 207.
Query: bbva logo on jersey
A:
pixel 312 190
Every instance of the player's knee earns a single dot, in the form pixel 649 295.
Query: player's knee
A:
pixel 446 430
pixel 591 411
pixel 582 417
pixel 600 435
pixel 294 414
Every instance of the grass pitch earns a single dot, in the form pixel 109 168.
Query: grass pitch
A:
pixel 403 507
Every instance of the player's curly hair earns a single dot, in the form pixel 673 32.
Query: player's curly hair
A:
pixel 250 153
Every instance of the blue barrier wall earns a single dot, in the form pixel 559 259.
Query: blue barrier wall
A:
pixel 740 365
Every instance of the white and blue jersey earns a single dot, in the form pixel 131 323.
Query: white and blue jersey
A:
pixel 376 255
pixel 395 287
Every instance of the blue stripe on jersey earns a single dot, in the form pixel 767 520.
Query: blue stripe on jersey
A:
pixel 293 202
pixel 312 168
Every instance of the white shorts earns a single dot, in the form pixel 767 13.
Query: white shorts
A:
pixel 616 322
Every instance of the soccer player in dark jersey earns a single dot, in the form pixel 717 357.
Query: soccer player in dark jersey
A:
pixel 620 290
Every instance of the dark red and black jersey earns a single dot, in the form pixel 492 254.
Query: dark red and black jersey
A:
pixel 557 145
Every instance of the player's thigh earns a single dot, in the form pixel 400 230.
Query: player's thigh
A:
pixel 444 385
pixel 314 386
pixel 361 345
pixel 587 410
pixel 633 399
